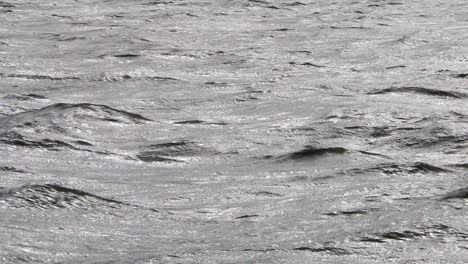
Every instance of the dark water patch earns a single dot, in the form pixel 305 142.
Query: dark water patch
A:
pixel 294 4
pixel 348 27
pixel 159 3
pixel 328 250
pixel 421 90
pixel 300 52
pixel 38 77
pixel 247 216
pixel 11 169
pixel 384 3
pixel 71 39
pixel 79 23
pixel 21 258
pixel 435 140
pixel 459 116
pixel 172 151
pixel 283 29
pixel 456 194
pixel 246 98
pixel 190 122
pixel 199 122
pixel 434 231
pixel 461 165
pixel 267 194
pixel 375 132
pixel 310 152
pixel 6 4
pixel 127 55
pixel 128 77
pixel 114 115
pixel 372 239
pixel 393 235
pixel 258 1
pixel 83 143
pixel 182 148
pixel 383 131
pixel 461 75
pixel 216 83
pixel 149 156
pixel 404 235
pixel 61 16
pixel 394 67
pixel 352 212
pixel 309 64
pixel 53 196
pixel 424 167
pixel 373 154
pixel 265 250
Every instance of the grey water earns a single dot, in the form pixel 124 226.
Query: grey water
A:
pixel 233 131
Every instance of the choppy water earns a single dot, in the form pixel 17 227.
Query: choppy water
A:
pixel 241 131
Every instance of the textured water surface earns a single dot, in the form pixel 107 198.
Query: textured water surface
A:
pixel 233 131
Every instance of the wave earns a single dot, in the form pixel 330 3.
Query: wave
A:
pixel 53 196
pixel 457 194
pixel 199 122
pixel 16 139
pixel 421 90
pixel 312 152
pixel 40 77
pixel 436 231
pixel 57 116
pixel 171 151
pixel 12 169
pixel 395 168
pixel 24 97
